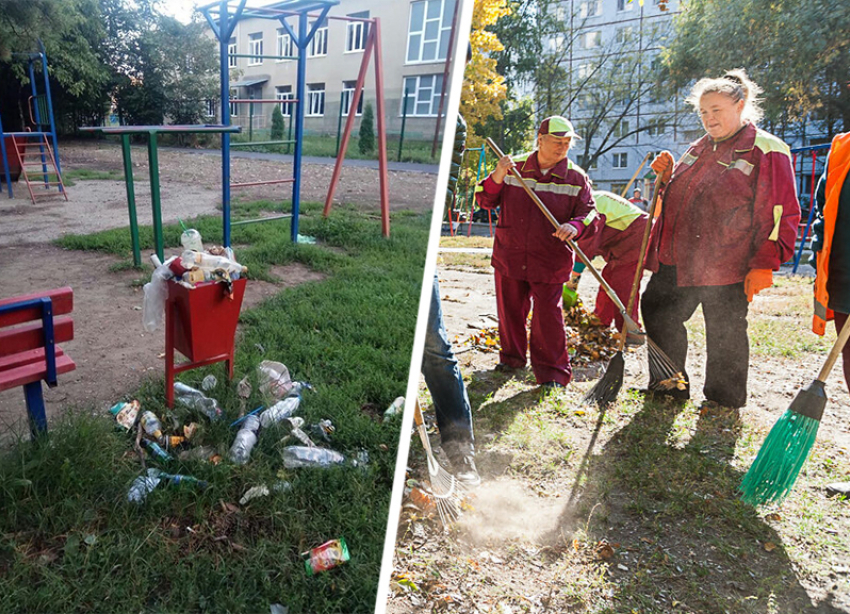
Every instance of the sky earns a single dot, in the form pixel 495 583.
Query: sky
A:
pixel 182 9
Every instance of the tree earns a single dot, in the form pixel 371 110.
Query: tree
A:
pixel 799 52
pixel 277 124
pixel 367 130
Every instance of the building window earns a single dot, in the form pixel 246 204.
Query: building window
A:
pixel 556 43
pixel 284 92
pixel 625 34
pixel 583 71
pixel 423 95
pixel 429 30
pixel 590 40
pixel 315 100
pixel 625 5
pixel 209 107
pixel 592 8
pixel 355 33
pixel 319 44
pixel 231 50
pixel 348 96
pixel 285 48
pixel 621 128
pixel 255 48
pixel 621 160
pixel 234 106
pixel 581 160
pixel 656 127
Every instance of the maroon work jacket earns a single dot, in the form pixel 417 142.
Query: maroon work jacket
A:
pixel 730 207
pixel 524 247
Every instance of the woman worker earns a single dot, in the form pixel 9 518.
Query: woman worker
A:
pixel 729 219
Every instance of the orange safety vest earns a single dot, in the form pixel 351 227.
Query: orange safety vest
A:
pixel 839 165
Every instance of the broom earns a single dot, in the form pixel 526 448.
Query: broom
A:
pixel 447 491
pixel 783 453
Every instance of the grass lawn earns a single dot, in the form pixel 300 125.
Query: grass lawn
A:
pixel 70 541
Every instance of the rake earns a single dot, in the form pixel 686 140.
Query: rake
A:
pixel 661 368
pixel 447 491
pixel 783 453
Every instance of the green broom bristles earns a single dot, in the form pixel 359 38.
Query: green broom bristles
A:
pixel 780 459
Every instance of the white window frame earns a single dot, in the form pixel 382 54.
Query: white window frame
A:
pixel 625 34
pixel 319 43
pixel 285 108
pixel 284 44
pixel 255 49
pixel 656 127
pixel 621 128
pixel 418 87
pixel 315 100
pixel 347 96
pixel 356 33
pixel 620 160
pixel 591 40
pixel 590 8
pixel 234 106
pixel 556 43
pixel 625 5
pixel 231 50
pixel 580 161
pixel 443 30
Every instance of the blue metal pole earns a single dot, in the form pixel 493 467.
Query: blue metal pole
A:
pixel 37 118
pixel 50 112
pixel 299 123
pixel 5 161
pixel 224 40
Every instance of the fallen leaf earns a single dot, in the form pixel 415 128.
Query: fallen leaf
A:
pixel 774 517
pixel 769 546
pixel 604 551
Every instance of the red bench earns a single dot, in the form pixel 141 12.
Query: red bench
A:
pixel 29 332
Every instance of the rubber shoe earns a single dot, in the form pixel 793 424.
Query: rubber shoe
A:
pixel 465 471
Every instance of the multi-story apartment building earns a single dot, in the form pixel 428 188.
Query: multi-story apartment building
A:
pixel 414 41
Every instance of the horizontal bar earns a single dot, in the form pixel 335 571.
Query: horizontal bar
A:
pixel 27 134
pixel 249 143
pixel 275 100
pixel 262 57
pixel 175 128
pixel 262 219
pixel 810 148
pixel 252 12
pixel 246 184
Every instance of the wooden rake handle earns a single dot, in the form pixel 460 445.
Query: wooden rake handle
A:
pixel 632 180
pixel 631 324
pixel 837 348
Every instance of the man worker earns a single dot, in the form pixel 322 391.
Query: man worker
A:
pixel 639 201
pixel 531 261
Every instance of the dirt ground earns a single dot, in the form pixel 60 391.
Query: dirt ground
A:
pixel 112 351
pixel 522 546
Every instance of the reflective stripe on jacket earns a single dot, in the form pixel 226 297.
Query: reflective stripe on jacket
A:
pixel 839 166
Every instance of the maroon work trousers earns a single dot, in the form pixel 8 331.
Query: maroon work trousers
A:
pixel 549 359
pixel 620 276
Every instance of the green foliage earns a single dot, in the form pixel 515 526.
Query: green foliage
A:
pixel 367 130
pixel 277 124
pixel 799 52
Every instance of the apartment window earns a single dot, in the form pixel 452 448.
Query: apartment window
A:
pixel 621 160
pixel 621 128
pixel 234 106
pixel 591 40
pixel 625 34
pixel 582 161
pixel 255 48
pixel 319 44
pixel 583 71
pixel 423 95
pixel 593 8
pixel 556 43
pixel 209 107
pixel 348 96
pixel 625 5
pixel 656 127
pixel 284 92
pixel 429 30
pixel 285 48
pixel 315 100
pixel 355 33
pixel 561 13
pixel 231 50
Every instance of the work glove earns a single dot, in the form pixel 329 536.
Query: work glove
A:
pixel 756 281
pixel 663 166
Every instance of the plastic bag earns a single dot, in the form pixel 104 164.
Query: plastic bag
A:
pixel 156 292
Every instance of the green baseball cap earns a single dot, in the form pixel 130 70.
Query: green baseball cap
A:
pixel 557 126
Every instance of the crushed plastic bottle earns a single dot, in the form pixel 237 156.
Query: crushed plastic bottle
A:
pixel 274 379
pixel 197 400
pixel 323 430
pixel 295 457
pixel 245 441
pixel 280 410
pixel 151 425
pixel 209 382
pixel 126 413
pixel 202 453
pixel 263 491
pixel 395 409
pixel 143 485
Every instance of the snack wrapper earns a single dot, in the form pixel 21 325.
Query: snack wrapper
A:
pixel 327 556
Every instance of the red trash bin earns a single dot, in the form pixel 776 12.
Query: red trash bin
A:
pixel 200 323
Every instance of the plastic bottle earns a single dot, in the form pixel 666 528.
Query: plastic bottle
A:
pixel 144 485
pixel 191 240
pixel 280 410
pixel 156 450
pixel 274 379
pixel 295 457
pixel 245 440
pixel 209 382
pixel 197 400
pixel 395 409
pixel 203 453
pixel 177 478
pixel 151 425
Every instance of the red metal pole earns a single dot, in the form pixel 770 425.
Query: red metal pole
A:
pixel 449 52
pixel 382 132
pixel 349 122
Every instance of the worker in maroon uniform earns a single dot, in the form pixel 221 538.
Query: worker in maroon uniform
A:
pixel 618 242
pixel 531 260
pixel 728 220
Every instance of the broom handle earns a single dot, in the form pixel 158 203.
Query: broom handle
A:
pixel 536 199
pixel 837 348
pixel 631 181
pixel 420 426
pixel 642 253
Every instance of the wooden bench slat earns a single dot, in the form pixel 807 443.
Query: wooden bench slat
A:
pixel 25 358
pixel 31 336
pixel 63 302
pixel 33 372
